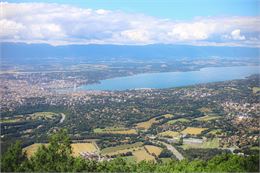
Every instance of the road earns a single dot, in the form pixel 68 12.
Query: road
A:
pixel 178 155
pixel 63 116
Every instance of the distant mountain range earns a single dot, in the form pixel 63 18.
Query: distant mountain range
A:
pixel 18 51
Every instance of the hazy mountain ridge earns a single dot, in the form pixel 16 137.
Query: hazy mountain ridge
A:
pixel 17 51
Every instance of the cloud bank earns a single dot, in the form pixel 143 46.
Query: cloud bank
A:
pixel 58 24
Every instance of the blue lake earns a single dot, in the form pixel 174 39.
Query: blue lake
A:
pixel 174 79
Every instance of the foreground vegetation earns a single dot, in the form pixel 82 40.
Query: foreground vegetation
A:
pixel 56 157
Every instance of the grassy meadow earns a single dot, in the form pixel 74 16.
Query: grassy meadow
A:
pixel 193 130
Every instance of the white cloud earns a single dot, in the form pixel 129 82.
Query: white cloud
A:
pixel 136 36
pixel 236 35
pixel 192 31
pixel 10 28
pixel 63 24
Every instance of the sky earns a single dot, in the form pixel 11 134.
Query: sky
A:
pixel 138 22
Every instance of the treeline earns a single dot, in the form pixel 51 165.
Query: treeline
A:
pixel 56 157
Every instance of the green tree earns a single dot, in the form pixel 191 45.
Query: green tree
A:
pixel 227 163
pixel 252 163
pixel 145 167
pixel 13 159
pixel 119 165
pixel 196 166
pixel 165 153
pixel 56 156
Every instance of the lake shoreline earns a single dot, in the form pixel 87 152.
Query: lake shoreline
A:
pixel 170 79
pixel 174 79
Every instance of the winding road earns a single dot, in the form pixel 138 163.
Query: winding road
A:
pixel 178 155
pixel 63 116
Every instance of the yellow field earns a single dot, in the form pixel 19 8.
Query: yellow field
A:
pixel 118 152
pixel 147 124
pixel 215 132
pixel 31 149
pixel 168 116
pixel 127 132
pixel 205 110
pixel 256 90
pixel 77 148
pixel 120 149
pixel 122 131
pixel 193 130
pixel 169 133
pixel 207 118
pixel 142 154
pixel 153 149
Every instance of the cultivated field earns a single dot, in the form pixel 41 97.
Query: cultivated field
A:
pixel 205 110
pixel 34 116
pixel 9 120
pixel 120 149
pixel 178 120
pixel 153 149
pixel 31 149
pixel 169 133
pixel 215 131
pixel 193 130
pixel 214 143
pixel 44 115
pixel 256 90
pixel 207 118
pixel 115 130
pixel 141 154
pixel 77 148
pixel 168 116
pixel 146 124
